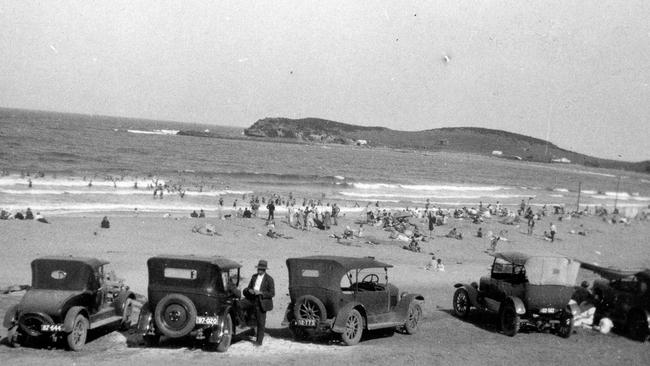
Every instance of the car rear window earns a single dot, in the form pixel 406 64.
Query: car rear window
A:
pixel 182 273
pixel 310 273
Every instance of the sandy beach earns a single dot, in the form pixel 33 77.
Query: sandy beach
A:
pixel 443 338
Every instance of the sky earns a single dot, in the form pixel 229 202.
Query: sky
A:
pixel 574 72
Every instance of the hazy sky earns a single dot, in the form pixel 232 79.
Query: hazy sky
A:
pixel 575 72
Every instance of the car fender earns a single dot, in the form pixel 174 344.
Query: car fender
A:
pixel 68 323
pixel 472 292
pixel 405 301
pixel 341 316
pixel 121 301
pixel 11 318
pixel 574 308
pixel 145 320
pixel 520 308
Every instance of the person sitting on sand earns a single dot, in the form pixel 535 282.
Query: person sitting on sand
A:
pixel 105 224
pixel 454 234
pixel 432 263
pixel 247 213
pixel 29 215
pixel 40 218
pixel 479 233
pixel 201 213
pixel 347 233
pixel 194 214
pixel 413 246
pixel 19 216
pixel 4 215
pixel 439 266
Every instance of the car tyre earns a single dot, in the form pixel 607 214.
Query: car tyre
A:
pixel 565 328
pixel 509 319
pixel 353 328
pixel 76 339
pixel 637 326
pixel 461 303
pixel 413 318
pixel 227 335
pixel 175 315
pixel 309 307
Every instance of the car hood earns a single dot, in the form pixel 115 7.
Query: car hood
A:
pixel 46 301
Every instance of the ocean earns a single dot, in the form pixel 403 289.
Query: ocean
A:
pixel 90 165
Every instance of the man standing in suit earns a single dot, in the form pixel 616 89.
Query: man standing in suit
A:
pixel 259 297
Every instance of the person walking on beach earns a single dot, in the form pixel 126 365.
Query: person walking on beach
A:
pixel 335 214
pixel 553 230
pixel 271 208
pixel 258 298
pixel 220 201
pixel 432 222
pixel 531 225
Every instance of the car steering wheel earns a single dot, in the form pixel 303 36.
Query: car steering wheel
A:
pixel 370 278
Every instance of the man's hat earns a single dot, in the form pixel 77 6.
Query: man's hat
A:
pixel 262 264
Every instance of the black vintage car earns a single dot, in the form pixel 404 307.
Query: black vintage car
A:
pixel 68 296
pixel 525 290
pixel 191 296
pixel 346 295
pixel 624 297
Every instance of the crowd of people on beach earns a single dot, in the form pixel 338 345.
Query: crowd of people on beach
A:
pixel 19 215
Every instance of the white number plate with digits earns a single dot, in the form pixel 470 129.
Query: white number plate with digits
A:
pixel 209 320
pixel 306 322
pixel 51 327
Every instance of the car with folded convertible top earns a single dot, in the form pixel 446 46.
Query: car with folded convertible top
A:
pixel 347 296
pixel 623 296
pixel 530 290
pixel 68 297
pixel 191 297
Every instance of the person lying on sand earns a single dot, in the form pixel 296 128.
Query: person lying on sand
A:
pixel 275 235
pixel 454 234
pixel 40 218
pixel 413 246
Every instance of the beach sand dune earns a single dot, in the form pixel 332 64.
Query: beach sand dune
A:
pixel 443 339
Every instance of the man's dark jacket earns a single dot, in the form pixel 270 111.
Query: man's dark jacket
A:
pixel 267 289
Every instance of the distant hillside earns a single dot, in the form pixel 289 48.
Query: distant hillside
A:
pixel 458 139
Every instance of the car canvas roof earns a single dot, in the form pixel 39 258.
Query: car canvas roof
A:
pixel 520 258
pixel 219 261
pixel 93 262
pixel 346 262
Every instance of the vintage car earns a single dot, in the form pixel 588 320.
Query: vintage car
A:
pixel 68 296
pixel 347 296
pixel 191 296
pixel 525 290
pixel 623 296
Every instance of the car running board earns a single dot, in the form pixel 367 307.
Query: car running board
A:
pixel 384 325
pixel 103 322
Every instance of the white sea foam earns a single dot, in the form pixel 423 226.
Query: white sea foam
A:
pixel 560 190
pixel 376 186
pixel 424 196
pixel 155 132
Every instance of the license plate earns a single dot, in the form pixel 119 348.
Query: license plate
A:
pixel 306 322
pixel 208 320
pixel 51 327
pixel 547 310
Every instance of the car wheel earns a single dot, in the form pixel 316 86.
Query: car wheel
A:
pixel 309 307
pixel 151 340
pixel 637 326
pixel 227 335
pixel 175 315
pixel 76 339
pixel 126 315
pixel 565 328
pixel 414 315
pixel 353 328
pixel 461 303
pixel 509 320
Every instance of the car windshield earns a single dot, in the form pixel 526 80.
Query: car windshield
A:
pixel 358 277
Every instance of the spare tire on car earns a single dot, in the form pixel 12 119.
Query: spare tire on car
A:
pixel 309 307
pixel 175 315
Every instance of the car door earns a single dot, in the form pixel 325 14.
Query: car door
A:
pixel 374 298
